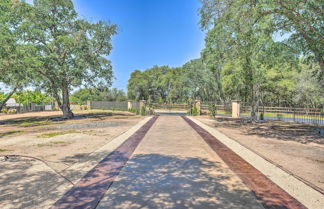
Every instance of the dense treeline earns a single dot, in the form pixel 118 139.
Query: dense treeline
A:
pixel 260 52
pixel 83 95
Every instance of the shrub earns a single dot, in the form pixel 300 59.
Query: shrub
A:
pixel 143 110
pixel 12 111
pixel 261 116
pixel 194 111
pixel 133 110
pixel 4 111
pixel 212 109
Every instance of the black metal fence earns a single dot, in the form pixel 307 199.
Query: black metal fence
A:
pixel 290 114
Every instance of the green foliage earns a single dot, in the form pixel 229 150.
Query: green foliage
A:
pixel 71 51
pixel 249 63
pixel 17 57
pixel 134 110
pixel 194 111
pixel 83 95
pixel 27 96
pixel 53 134
pixel 143 110
pixel 9 133
pixel 212 109
pixel 157 84
pixel 170 85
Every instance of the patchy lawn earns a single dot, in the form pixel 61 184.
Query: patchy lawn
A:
pixel 58 133
pixel 9 133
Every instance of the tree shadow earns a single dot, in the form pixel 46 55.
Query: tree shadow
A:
pixel 29 183
pixel 26 121
pixel 285 131
pixel 163 181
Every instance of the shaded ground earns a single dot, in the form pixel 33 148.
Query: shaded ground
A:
pixel 42 153
pixel 297 148
pixel 61 143
pixel 29 183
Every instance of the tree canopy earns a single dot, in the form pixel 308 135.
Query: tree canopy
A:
pixel 260 52
pixel 50 45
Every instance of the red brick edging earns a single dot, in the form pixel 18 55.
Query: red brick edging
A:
pixel 270 194
pixel 91 188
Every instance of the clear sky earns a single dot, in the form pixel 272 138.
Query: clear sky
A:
pixel 151 32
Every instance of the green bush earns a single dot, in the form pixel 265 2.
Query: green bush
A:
pixel 143 110
pixel 194 111
pixel 261 116
pixel 133 110
pixel 212 109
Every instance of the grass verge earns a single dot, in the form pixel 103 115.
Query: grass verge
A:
pixel 8 133
pixel 53 134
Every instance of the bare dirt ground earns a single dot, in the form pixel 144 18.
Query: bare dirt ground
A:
pixel 61 143
pixel 40 157
pixel 297 148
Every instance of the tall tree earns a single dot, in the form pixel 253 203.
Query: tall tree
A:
pixel 72 51
pixel 16 56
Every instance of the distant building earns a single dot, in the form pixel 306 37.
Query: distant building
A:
pixel 12 103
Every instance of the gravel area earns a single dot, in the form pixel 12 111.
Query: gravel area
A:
pixel 99 124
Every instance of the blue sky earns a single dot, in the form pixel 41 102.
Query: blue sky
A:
pixel 151 32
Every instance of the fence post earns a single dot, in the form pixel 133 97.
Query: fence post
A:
pixel 129 105
pixel 236 108
pixel 89 105
pixel 197 104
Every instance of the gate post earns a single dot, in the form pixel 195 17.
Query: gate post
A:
pixel 236 107
pixel 129 104
pixel 197 104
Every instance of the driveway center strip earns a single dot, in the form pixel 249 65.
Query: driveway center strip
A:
pixel 270 194
pixel 90 189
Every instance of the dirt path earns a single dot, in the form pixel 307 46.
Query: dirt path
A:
pixel 303 160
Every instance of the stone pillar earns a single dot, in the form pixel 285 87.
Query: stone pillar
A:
pixel 129 105
pixel 236 107
pixel 197 104
pixel 89 105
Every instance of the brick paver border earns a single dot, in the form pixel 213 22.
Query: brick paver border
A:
pixel 91 188
pixel 268 193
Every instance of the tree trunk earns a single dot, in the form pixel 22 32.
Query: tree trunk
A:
pixel 65 106
pixel 2 104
